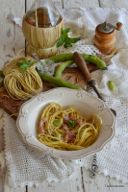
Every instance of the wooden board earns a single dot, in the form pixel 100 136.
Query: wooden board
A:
pixel 114 3
pixel 29 3
pixel 80 3
pixel 73 184
pixel 11 40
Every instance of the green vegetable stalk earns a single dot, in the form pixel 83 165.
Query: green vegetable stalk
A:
pixel 89 58
pixel 61 57
pixel 57 81
pixel 60 68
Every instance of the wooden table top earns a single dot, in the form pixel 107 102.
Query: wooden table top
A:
pixel 11 40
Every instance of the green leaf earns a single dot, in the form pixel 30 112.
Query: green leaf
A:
pixel 60 42
pixel 66 30
pixel 65 39
pixel 24 64
pixel 71 123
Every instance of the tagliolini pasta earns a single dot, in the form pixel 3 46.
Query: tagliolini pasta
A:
pixel 22 84
pixel 66 129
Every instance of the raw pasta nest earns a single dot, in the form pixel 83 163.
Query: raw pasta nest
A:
pixel 21 85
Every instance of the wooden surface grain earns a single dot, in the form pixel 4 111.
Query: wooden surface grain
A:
pixel 80 3
pixel 12 40
pixel 114 3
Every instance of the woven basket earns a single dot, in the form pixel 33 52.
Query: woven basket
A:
pixel 41 40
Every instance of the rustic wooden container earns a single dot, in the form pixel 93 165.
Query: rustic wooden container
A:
pixel 105 37
pixel 41 40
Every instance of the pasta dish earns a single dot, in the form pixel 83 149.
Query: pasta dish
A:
pixel 65 128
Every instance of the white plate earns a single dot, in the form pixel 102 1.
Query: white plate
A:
pixel 85 102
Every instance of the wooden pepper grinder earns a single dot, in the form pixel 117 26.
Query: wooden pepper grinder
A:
pixel 105 37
